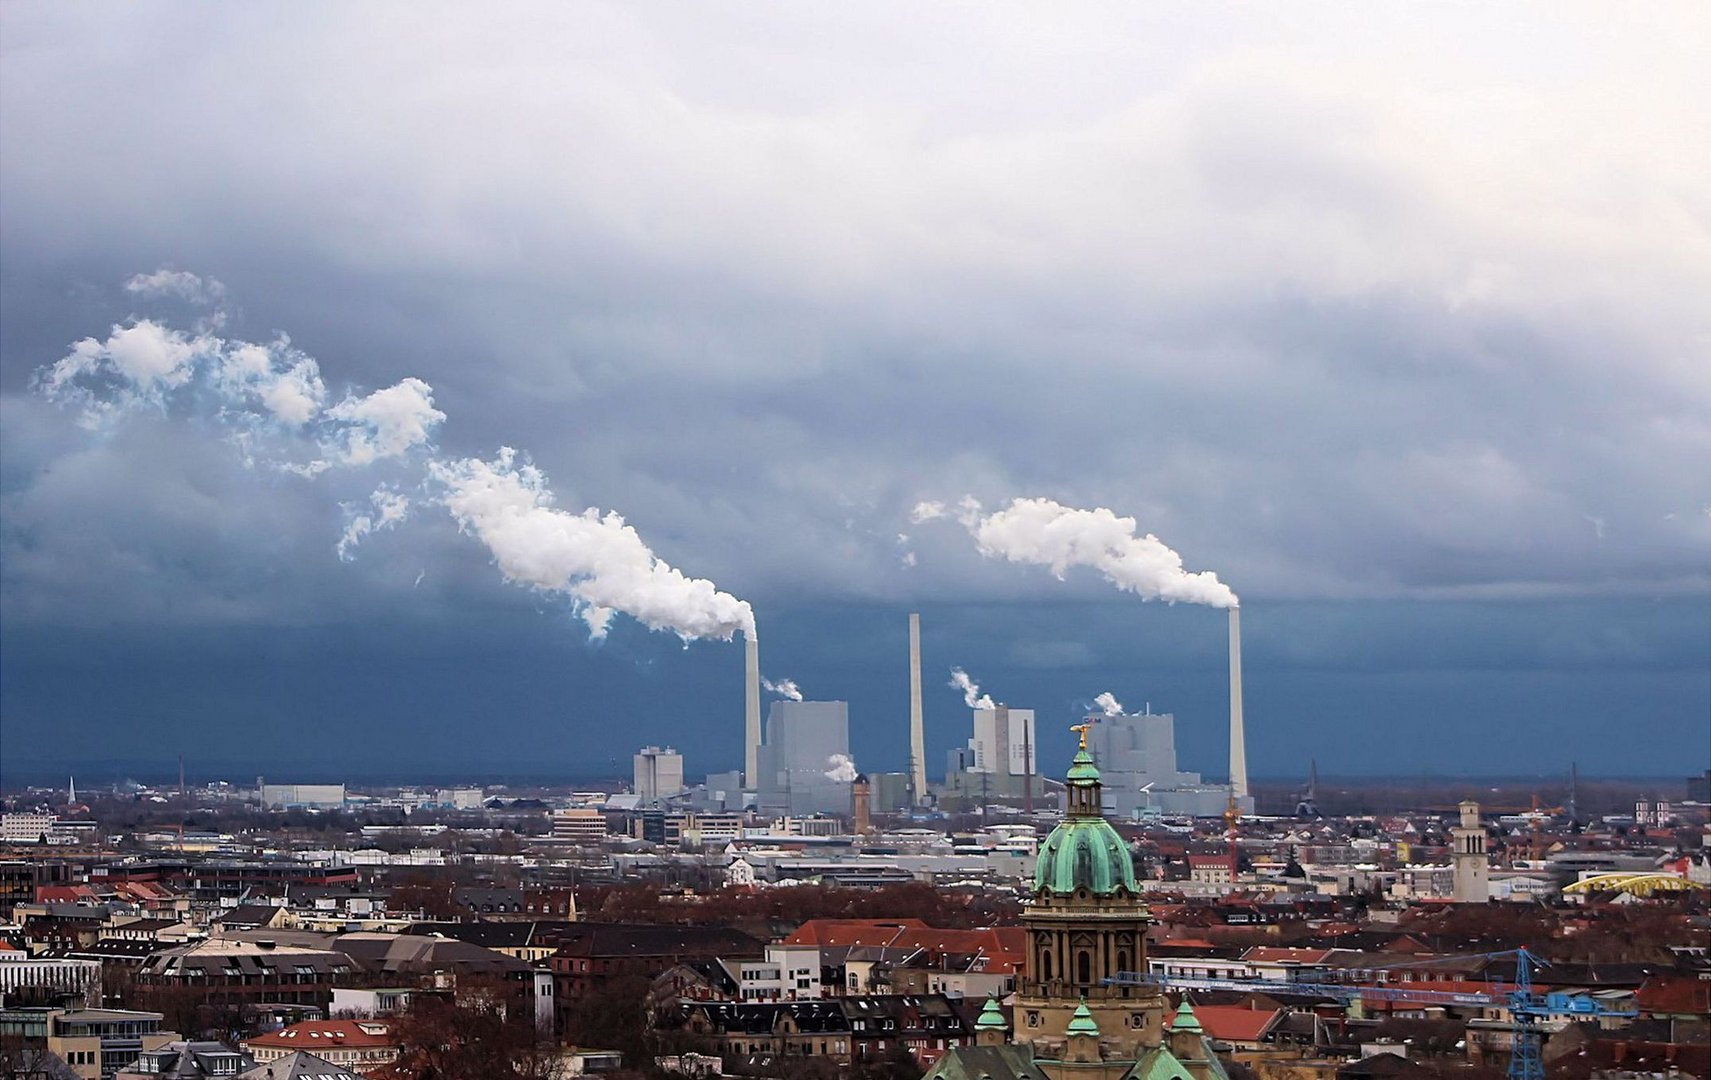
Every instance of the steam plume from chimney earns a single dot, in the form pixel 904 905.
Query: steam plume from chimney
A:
pixel 1047 533
pixel 843 769
pixel 1108 704
pixel 271 400
pixel 596 559
pixel 971 694
pixel 784 688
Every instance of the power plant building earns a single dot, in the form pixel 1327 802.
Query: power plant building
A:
pixel 803 741
pixel 999 759
pixel 1136 755
pixel 658 773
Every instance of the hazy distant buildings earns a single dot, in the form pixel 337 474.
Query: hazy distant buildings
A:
pixel 306 796
pixel 658 773
pixel 1136 756
pixel 999 758
pixel 805 742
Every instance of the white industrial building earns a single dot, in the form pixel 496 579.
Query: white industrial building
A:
pixel 1136 756
pixel 658 773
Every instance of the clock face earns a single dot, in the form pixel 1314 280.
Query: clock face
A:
pixel 1033 1018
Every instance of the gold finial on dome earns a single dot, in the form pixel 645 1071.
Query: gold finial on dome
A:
pixel 1082 728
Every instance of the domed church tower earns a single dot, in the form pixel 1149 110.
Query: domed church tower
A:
pixel 1086 923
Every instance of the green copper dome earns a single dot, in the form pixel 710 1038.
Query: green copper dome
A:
pixel 1185 1019
pixel 991 1017
pixel 1084 851
pixel 1082 767
pixel 1082 1023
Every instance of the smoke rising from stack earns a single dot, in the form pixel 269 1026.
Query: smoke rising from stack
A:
pixel 272 402
pixel 843 769
pixel 1043 532
pixel 971 694
pixel 594 558
pixel 1108 704
pixel 784 688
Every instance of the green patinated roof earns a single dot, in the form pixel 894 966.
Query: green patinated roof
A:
pixel 991 1018
pixel 1185 1018
pixel 1082 1023
pixel 1084 852
pixel 1161 1064
pixel 1081 767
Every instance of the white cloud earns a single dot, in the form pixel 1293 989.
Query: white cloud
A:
pixel 181 284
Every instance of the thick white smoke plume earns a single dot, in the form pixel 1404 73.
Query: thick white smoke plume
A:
pixel 1108 704
pixel 1047 533
pixel 843 769
pixel 272 402
pixel 784 688
pixel 597 560
pixel 970 690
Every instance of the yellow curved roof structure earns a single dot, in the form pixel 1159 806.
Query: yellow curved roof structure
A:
pixel 1644 884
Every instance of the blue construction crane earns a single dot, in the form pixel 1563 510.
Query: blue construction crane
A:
pixel 1526 1006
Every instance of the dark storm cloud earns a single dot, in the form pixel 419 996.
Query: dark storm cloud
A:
pixel 1409 306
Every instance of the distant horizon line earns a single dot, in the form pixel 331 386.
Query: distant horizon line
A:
pixel 165 774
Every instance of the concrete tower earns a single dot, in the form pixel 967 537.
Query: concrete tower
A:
pixel 1472 868
pixel 751 712
pixel 917 730
pixel 1238 737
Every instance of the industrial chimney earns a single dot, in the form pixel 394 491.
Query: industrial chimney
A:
pixel 751 713
pixel 917 731
pixel 1238 738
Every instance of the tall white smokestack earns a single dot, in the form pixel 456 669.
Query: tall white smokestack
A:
pixel 917 731
pixel 1238 737
pixel 751 713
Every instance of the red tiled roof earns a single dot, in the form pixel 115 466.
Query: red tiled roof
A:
pixel 1674 995
pixel 1268 954
pixel 1236 1023
pixel 851 931
pixel 325 1033
pixel 63 894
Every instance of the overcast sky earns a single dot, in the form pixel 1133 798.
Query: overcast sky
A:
pixel 1396 317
